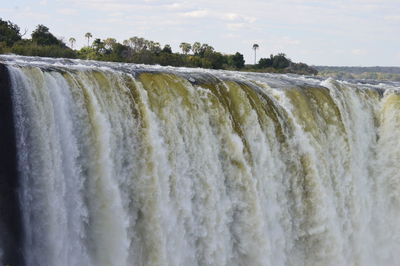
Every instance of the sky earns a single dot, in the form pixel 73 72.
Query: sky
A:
pixel 324 32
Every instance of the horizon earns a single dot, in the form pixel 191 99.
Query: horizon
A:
pixel 342 36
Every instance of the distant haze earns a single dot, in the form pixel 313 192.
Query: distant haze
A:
pixel 331 32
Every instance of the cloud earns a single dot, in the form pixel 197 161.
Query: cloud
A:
pixel 174 6
pixel 236 26
pixel 238 18
pixel 67 11
pixel 358 51
pixel 392 18
pixel 231 36
pixel 196 14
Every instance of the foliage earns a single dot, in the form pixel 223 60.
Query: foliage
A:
pixel 186 47
pixel 42 36
pixel 280 61
pixel 167 49
pixel 30 48
pixel 9 33
pixel 281 64
pixel 196 48
pixel 236 60
pixel 301 68
pixel 265 62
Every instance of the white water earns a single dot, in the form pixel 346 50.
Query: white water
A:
pixel 193 167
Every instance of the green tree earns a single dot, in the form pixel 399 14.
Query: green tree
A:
pixel 167 49
pixel 98 46
pixel 9 32
pixel 196 48
pixel 236 60
pixel 280 61
pixel 42 36
pixel 205 50
pixel 136 44
pixel 264 62
pixel 88 35
pixel 216 59
pixel 109 43
pixel 153 47
pixel 185 47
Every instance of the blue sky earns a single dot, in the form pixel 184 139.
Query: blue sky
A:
pixel 325 32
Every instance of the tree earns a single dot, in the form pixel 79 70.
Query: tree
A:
pixel 88 35
pixel 153 47
pixel 42 36
pixel 72 41
pixel 216 59
pixel 255 47
pixel 9 32
pixel 98 46
pixel 109 43
pixel 196 48
pixel 205 50
pixel 185 47
pixel 237 60
pixel 280 61
pixel 167 49
pixel 265 62
pixel 137 44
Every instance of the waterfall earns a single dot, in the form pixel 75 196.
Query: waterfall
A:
pixel 122 164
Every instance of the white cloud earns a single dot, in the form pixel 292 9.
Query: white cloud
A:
pixel 359 51
pixel 237 17
pixel 392 18
pixel 231 36
pixel 196 14
pixel 235 26
pixel 174 6
pixel 67 11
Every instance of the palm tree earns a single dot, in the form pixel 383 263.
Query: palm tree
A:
pixel 255 47
pixel 72 41
pixel 88 35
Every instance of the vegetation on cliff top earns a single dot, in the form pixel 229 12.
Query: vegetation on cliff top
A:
pixel 138 50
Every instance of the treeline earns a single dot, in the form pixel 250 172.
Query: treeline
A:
pixel 142 51
pixel 42 42
pixel 137 50
pixel 281 64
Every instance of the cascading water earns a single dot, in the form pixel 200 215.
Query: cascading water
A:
pixel 122 164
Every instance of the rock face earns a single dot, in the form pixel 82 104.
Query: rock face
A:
pixel 10 222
